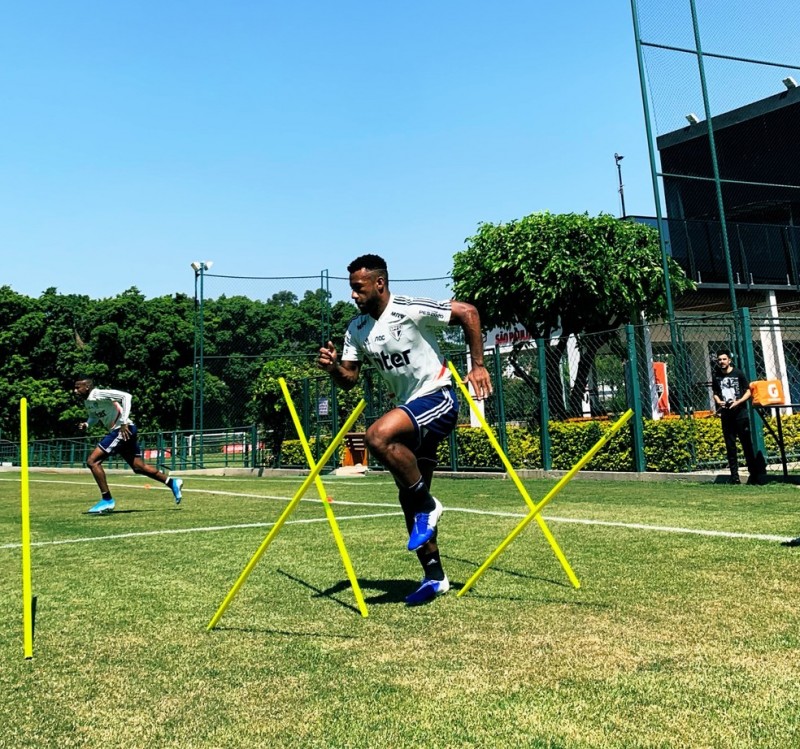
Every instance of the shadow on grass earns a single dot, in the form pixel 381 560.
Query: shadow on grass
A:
pixel 125 512
pixel 511 573
pixel 765 480
pixel 387 591
pixel 282 632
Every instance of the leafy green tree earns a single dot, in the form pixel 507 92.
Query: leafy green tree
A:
pixel 565 274
pixel 145 346
pixel 271 409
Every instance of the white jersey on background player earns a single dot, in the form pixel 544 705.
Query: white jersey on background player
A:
pixel 112 408
pixel 402 345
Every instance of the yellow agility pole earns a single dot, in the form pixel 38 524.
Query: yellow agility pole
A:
pixel 511 472
pixel 27 588
pixel 549 496
pixel 315 471
pixel 351 573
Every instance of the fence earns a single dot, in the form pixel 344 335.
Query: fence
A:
pixel 551 398
pixel 721 102
pixel 241 447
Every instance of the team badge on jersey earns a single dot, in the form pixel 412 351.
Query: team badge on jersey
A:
pixel 396 331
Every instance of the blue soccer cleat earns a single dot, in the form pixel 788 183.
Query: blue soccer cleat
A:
pixel 102 507
pixel 429 590
pixel 424 526
pixel 175 485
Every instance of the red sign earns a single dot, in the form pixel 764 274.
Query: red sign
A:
pixel 660 375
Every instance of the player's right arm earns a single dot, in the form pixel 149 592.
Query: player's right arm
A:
pixel 343 373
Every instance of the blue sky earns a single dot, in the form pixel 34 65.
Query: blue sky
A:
pixel 281 139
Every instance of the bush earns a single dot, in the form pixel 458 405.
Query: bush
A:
pixel 474 450
pixel 570 441
pixel 292 455
pixel 670 445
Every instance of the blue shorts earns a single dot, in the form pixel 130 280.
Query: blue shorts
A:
pixel 434 416
pixel 113 444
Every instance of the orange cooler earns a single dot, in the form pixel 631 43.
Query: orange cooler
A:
pixel 767 392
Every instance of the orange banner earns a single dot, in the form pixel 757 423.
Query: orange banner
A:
pixel 660 375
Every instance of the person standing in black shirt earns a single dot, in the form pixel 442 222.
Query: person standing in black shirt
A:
pixel 731 393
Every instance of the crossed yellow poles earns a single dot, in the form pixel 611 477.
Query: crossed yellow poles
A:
pixel 535 509
pixel 313 477
pixel 534 513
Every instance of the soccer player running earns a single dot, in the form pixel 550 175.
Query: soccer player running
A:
pixel 112 408
pixel 397 335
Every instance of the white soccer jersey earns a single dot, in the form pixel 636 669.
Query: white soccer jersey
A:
pixel 402 345
pixel 112 408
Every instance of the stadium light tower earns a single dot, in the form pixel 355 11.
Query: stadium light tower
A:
pixel 199 267
pixel 617 159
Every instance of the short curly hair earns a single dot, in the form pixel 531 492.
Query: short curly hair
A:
pixel 369 262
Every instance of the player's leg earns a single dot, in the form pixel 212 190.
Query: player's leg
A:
pixel 434 416
pixel 131 451
pixel 729 433
pixel 434 580
pixel 391 440
pixel 438 423
pixel 95 464
pixel 746 438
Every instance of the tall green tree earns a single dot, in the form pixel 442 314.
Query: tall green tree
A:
pixel 565 275
pixel 270 406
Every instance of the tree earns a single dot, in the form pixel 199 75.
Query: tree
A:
pixel 566 275
pixel 270 405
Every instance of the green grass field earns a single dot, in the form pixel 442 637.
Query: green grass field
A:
pixel 675 639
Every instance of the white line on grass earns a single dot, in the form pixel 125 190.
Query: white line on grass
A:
pixel 207 529
pixel 219 492
pixel 466 510
pixel 553 519
pixel 670 529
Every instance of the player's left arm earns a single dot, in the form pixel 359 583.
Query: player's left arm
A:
pixel 467 317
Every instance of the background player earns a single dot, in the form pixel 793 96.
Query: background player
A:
pixel 112 409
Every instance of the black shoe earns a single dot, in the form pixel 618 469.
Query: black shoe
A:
pixel 793 542
pixel 758 480
pixel 735 480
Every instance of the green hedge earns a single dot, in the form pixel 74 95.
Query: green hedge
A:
pixel 292 455
pixel 670 445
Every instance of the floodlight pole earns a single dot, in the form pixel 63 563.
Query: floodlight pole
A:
pixel 654 173
pixel 618 159
pixel 199 267
pixel 714 162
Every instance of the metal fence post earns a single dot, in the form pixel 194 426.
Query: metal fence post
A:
pixel 334 412
pixel 635 401
pixel 749 367
pixel 325 322
pixel 544 409
pixel 306 405
pixel 501 407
